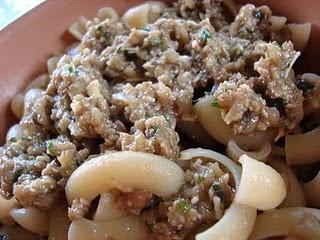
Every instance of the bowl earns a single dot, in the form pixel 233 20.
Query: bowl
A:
pixel 27 43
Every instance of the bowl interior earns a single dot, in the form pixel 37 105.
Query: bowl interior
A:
pixel 28 42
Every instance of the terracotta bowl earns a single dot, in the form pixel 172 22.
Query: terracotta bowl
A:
pixel 28 42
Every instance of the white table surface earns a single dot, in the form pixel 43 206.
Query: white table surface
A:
pixel 10 10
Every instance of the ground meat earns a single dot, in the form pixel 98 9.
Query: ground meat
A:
pixel 153 135
pixel 271 100
pixel 79 209
pixel 310 85
pixel 125 89
pixel 251 22
pixel 199 10
pixel 39 192
pixel 134 201
pixel 207 192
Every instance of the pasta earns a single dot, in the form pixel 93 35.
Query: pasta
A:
pixel 125 228
pixel 5 208
pixel 143 14
pixel 264 181
pixel 300 222
pixel 311 190
pixel 107 210
pixel 31 219
pixel 235 152
pixel 124 169
pixel 308 142
pixel 181 121
pixel 295 196
pixel 240 220
pixel 59 223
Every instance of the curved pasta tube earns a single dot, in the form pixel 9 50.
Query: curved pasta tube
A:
pixel 295 195
pixel 261 186
pixel 108 13
pixel 40 82
pixel 17 131
pixel 312 191
pixel 128 228
pixel 235 152
pixel 133 170
pixel 52 63
pixel 78 28
pixel 59 222
pixel 211 119
pixel 143 14
pixel 299 221
pixel 309 142
pixel 16 233
pixel 106 210
pixel 195 132
pixel 236 223
pixel 17 105
pixel 5 208
pixel 32 219
pixel 30 98
pixel 232 6
pixel 300 34
pixel 209 154
pixel 277 23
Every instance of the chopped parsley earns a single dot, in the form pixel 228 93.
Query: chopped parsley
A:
pixel 154 41
pixel 204 34
pixel 156 129
pixel 17 173
pixel 200 179
pixel 129 53
pixel 31 158
pixel 237 50
pixel 257 14
pixel 146 28
pixel 304 85
pixel 13 139
pixel 215 103
pixel 219 192
pixel 26 138
pixel 50 149
pixel 183 207
pixel 103 33
pixel 73 70
pixel 249 30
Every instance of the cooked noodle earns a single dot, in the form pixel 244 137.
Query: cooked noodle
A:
pixel 167 123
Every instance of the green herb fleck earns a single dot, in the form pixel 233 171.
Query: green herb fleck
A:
pixel 17 173
pixel 26 138
pixel 200 179
pixel 215 103
pixel 50 149
pixel 13 139
pixel 178 154
pixel 73 70
pixel 183 207
pixel 219 192
pixel 249 30
pixel 31 158
pixel 146 28
pixel 237 51
pixel 129 53
pixel 257 14
pixel 204 34
pixel 304 85
pixel 154 41
pixel 103 33
pixel 156 129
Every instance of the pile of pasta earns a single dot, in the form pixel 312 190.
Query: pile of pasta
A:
pixel 269 200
